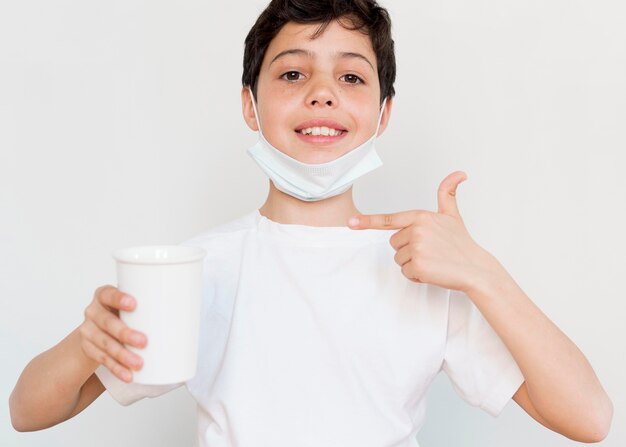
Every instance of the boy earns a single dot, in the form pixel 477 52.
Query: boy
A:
pixel 318 333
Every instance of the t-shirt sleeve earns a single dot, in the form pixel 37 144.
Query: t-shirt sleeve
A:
pixel 481 368
pixel 129 393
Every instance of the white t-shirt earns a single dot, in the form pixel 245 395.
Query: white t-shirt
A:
pixel 311 336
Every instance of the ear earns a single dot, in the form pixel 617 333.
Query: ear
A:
pixel 384 120
pixel 248 110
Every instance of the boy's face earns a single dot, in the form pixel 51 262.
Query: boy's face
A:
pixel 327 82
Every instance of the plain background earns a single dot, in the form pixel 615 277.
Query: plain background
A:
pixel 121 125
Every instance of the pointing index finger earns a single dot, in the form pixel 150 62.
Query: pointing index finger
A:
pixel 393 221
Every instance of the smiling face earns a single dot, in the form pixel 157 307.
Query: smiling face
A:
pixel 317 98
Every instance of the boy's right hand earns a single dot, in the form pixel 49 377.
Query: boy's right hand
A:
pixel 104 334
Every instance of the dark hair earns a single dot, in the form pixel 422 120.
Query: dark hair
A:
pixel 363 15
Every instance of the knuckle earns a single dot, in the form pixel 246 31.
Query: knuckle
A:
pixel 116 369
pixel 101 290
pixel 111 364
pixel 418 265
pixel 122 356
pixel 102 297
pixel 89 312
pixel 113 367
pixel 107 296
pixel 418 249
pixel 114 348
pixel 405 270
pixel 105 342
pixel 392 241
pixel 127 358
pixel 387 219
pixel 108 323
pixel 83 330
pixel 416 262
pixel 421 218
pixel 124 334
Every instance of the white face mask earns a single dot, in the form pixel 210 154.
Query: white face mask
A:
pixel 311 182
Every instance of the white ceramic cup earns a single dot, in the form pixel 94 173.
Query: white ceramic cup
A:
pixel 166 282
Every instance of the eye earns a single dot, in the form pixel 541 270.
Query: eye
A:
pixel 292 76
pixel 352 79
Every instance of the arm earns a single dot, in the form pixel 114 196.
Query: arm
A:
pixel 561 390
pixel 55 386
pixel 60 382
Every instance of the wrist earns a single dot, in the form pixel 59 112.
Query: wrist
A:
pixel 488 275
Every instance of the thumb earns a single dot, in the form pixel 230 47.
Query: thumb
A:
pixel 446 195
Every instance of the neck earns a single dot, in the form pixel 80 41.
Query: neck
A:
pixel 332 212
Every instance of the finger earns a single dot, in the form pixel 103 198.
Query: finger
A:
pixel 111 347
pixel 108 322
pixel 100 356
pixel 114 298
pixel 446 194
pixel 404 255
pixel 404 236
pixel 384 221
pixel 408 271
pixel 115 350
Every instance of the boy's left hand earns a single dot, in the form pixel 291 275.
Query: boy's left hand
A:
pixel 435 248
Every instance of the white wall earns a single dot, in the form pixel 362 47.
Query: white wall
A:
pixel 120 124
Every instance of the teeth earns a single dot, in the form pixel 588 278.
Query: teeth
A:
pixel 325 131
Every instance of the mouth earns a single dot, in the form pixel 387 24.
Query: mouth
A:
pixel 321 127
pixel 323 130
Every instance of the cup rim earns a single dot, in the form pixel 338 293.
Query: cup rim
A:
pixel 159 254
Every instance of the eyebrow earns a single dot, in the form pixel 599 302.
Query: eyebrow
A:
pixel 350 54
pixel 311 55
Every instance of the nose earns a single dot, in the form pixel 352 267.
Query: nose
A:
pixel 322 94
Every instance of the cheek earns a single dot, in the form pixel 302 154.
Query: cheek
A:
pixel 275 129
pixel 278 115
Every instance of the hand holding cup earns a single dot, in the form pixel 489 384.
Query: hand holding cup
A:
pixel 104 334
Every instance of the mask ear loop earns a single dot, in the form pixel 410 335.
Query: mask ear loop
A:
pixel 256 112
pixel 380 117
